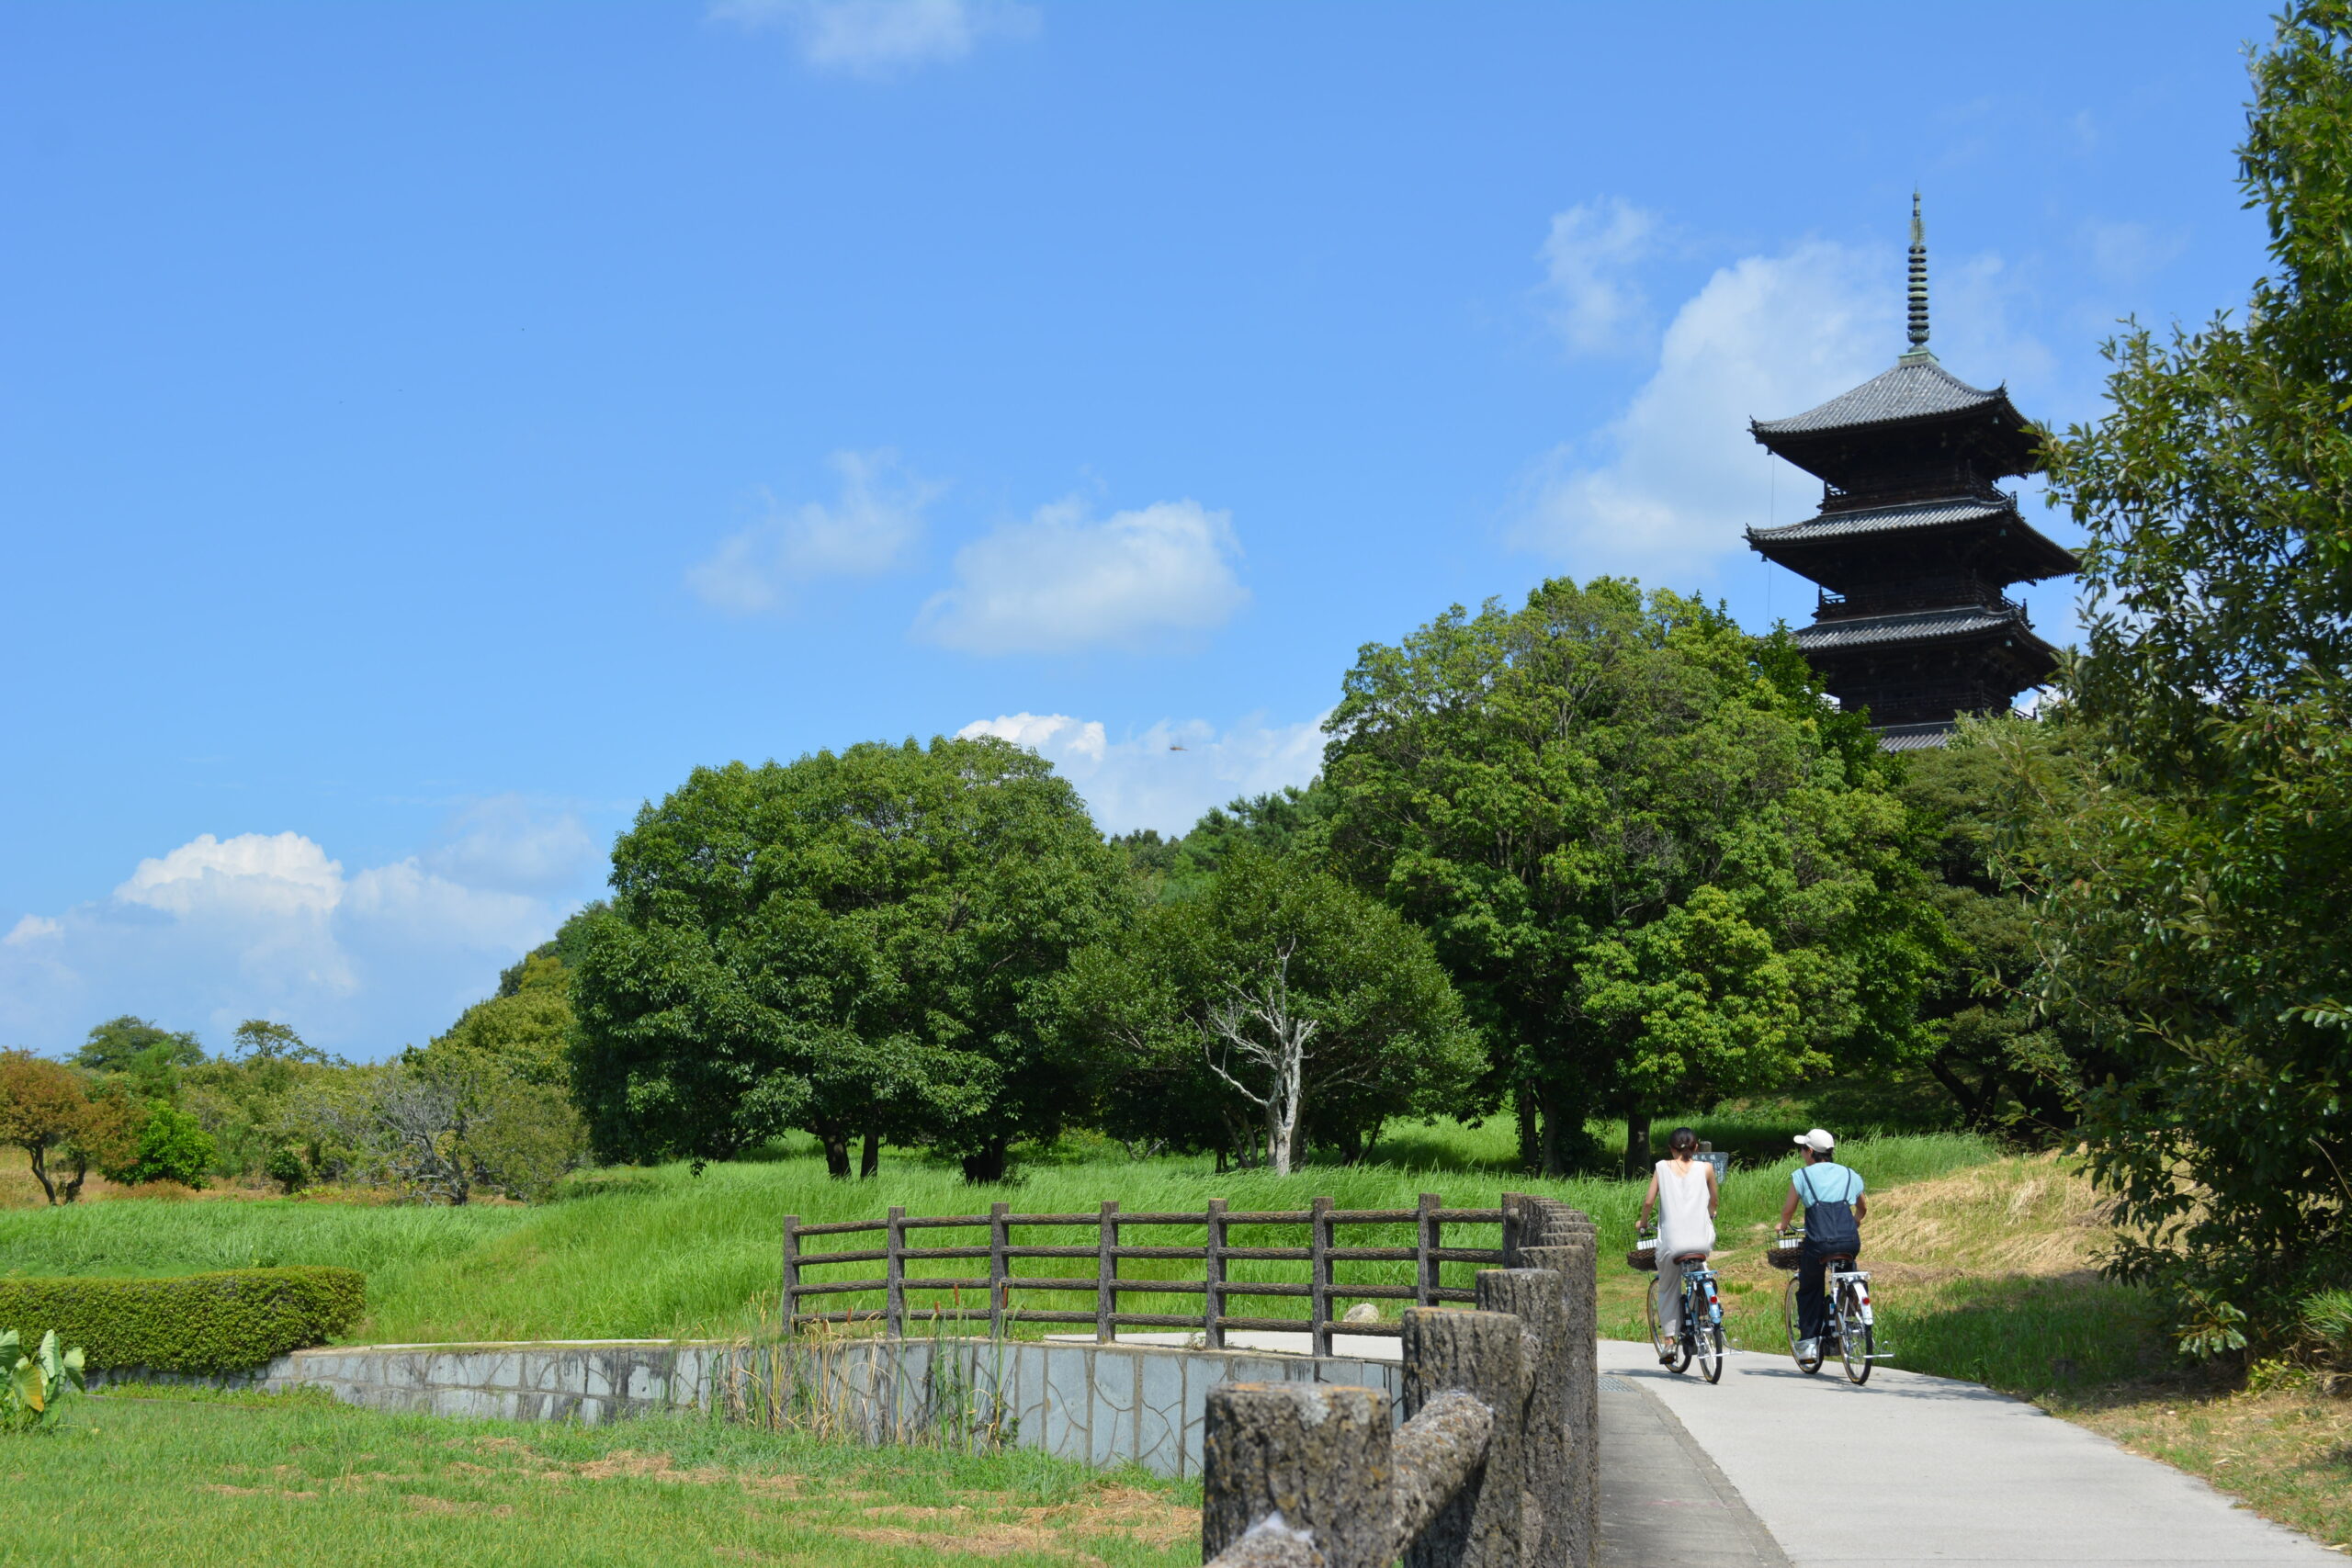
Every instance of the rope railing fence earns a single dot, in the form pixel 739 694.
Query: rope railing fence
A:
pixel 910 1268
pixel 1495 1465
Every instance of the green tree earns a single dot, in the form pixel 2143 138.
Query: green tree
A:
pixel 2007 1066
pixel 528 1025
pixel 854 944
pixel 43 1107
pixel 1275 1006
pixel 172 1147
pixel 115 1045
pixel 150 1058
pixel 2194 884
pixel 1657 863
pixel 263 1040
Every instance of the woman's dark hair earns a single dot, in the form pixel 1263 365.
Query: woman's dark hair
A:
pixel 1682 1138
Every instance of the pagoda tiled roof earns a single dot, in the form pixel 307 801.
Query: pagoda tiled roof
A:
pixel 1915 389
pixel 1932 736
pixel 1884 520
pixel 1912 627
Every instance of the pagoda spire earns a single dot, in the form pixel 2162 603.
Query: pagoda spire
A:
pixel 1919 353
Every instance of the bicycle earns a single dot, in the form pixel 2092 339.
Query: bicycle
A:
pixel 1702 1336
pixel 1849 1326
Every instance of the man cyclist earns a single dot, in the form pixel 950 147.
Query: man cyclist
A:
pixel 1832 1196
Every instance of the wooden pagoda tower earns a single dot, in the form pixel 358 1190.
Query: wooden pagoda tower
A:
pixel 1913 545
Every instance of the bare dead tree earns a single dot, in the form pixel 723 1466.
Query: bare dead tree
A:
pixel 1256 1025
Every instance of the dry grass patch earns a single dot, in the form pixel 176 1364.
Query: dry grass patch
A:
pixel 2289 1455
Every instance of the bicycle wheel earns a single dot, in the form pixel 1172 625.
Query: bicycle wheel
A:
pixel 1711 1353
pixel 1854 1339
pixel 1789 1299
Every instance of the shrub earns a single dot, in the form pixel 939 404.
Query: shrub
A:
pixel 286 1168
pixel 172 1147
pixel 198 1323
pixel 35 1387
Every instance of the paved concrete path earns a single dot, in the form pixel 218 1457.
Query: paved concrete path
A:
pixel 1914 1470
pixel 1664 1503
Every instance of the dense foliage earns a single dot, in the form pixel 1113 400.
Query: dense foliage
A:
pixel 1273 1005
pixel 857 943
pixel 194 1323
pixel 2193 876
pixel 1661 869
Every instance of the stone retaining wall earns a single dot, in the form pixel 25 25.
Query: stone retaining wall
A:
pixel 1102 1405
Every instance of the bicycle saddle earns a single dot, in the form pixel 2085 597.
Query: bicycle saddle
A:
pixel 1689 1258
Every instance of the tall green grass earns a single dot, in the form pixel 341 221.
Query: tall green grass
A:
pixel 664 1253
pixel 145 1235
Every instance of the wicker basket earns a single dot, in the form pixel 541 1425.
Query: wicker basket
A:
pixel 1783 1252
pixel 1644 1257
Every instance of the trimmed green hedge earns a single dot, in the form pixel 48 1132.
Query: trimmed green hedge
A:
pixel 197 1323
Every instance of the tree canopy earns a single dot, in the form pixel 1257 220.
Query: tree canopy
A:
pixel 1659 866
pixel 860 942
pixel 2193 871
pixel 1187 1013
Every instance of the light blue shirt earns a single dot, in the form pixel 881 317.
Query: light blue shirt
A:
pixel 1826 1182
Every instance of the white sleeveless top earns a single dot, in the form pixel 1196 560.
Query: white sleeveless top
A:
pixel 1682 1221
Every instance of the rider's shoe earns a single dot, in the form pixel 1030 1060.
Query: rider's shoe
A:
pixel 1808 1348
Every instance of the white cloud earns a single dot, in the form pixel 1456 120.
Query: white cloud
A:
pixel 1059 582
pixel 874 527
pixel 1588 261
pixel 1669 485
pixel 1167 775
pixel 30 930
pixel 881 37
pixel 507 842
pixel 220 930
pixel 1664 490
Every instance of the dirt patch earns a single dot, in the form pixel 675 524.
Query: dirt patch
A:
pixel 419 1503
pixel 223 1489
pixel 986 1541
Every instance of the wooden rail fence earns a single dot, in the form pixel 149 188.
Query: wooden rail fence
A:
pixel 908 1267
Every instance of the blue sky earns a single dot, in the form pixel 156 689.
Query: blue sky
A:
pixel 428 431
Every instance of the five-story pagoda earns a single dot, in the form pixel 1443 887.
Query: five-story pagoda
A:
pixel 1913 545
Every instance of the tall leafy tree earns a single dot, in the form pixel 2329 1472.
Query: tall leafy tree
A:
pixel 1658 864
pixel 2009 1065
pixel 2194 879
pixel 862 943
pixel 1273 1005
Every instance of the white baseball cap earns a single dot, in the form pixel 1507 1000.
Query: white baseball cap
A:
pixel 1818 1140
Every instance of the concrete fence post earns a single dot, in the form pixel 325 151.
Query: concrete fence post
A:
pixel 1538 1296
pixel 1575 1261
pixel 1296 1473
pixel 1480 1353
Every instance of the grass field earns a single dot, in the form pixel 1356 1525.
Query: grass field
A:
pixel 1983 1265
pixel 296 1483
pixel 664 1253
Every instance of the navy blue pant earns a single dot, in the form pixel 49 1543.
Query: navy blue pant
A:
pixel 1813 1296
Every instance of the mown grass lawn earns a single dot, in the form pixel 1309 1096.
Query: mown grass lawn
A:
pixel 293 1482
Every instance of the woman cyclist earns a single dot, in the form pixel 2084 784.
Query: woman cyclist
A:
pixel 1684 1194
pixel 1832 1196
